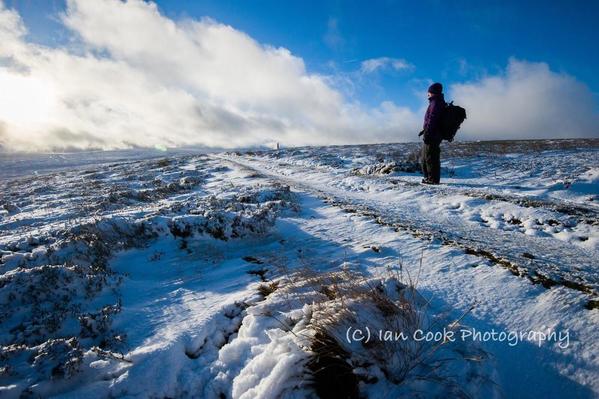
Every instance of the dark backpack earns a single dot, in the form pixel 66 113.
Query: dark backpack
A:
pixel 453 116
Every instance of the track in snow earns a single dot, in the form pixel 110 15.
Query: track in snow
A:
pixel 541 259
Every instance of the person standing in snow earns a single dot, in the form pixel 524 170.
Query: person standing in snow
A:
pixel 432 137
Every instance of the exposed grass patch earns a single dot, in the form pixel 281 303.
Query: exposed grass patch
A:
pixel 335 301
pixel 268 288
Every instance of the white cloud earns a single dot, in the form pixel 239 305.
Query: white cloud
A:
pixel 374 64
pixel 132 76
pixel 528 100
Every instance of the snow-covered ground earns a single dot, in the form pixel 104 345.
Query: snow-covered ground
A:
pixel 20 164
pixel 240 274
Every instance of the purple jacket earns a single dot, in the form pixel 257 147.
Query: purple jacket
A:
pixel 432 119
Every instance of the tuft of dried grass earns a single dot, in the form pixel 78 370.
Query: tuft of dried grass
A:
pixel 348 298
pixel 268 288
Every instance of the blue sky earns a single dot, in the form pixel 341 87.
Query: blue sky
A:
pixel 451 42
pixel 112 74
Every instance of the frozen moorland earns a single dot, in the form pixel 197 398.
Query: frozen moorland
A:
pixel 257 274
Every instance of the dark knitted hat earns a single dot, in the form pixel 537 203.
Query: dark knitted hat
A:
pixel 435 88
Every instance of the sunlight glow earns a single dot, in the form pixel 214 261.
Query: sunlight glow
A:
pixel 25 101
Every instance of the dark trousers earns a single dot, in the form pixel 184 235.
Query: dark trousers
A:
pixel 431 162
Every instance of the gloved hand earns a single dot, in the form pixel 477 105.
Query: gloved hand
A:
pixel 421 133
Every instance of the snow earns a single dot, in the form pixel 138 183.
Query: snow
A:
pixel 22 164
pixel 209 275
